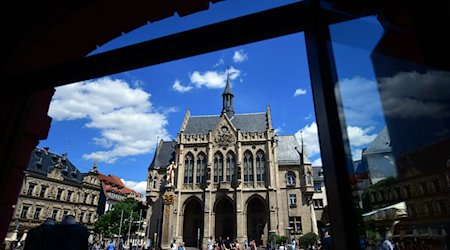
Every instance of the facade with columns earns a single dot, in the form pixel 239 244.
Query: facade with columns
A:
pixel 234 178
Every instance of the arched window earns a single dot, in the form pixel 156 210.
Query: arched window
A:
pixel 260 166
pixel 201 168
pixel 189 169
pixel 290 178
pixel 218 167
pixel 248 166
pixel 155 181
pixel 230 166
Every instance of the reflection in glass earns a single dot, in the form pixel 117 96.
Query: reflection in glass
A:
pixel 397 115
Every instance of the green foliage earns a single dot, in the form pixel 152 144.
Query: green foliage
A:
pixel 307 240
pixel 281 239
pixel 109 223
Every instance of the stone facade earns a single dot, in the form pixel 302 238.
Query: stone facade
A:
pixel 235 178
pixel 52 188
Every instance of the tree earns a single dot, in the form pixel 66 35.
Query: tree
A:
pixel 308 240
pixel 109 223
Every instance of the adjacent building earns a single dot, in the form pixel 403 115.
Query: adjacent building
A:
pixel 113 190
pixel 320 197
pixel 407 198
pixel 53 188
pixel 234 178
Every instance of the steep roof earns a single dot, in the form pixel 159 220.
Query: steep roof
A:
pixel 112 183
pixel 255 122
pixel 43 162
pixel 286 152
pixel 164 154
pixel 381 144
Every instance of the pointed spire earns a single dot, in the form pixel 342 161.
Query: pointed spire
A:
pixel 228 85
pixel 227 98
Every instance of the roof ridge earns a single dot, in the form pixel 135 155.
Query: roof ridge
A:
pixel 204 116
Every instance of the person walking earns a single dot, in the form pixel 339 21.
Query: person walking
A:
pixel 210 243
pixel 111 246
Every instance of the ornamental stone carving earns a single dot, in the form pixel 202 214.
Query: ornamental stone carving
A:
pixel 169 199
pixel 224 137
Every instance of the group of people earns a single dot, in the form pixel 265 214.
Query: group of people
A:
pixel 174 246
pixel 225 244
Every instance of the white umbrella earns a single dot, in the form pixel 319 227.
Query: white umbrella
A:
pixel 24 236
pixel 14 236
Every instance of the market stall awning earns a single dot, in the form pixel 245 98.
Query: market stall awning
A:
pixel 391 212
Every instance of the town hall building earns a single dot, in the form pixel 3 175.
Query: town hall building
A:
pixel 233 177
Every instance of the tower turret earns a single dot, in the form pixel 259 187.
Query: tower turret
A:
pixel 227 97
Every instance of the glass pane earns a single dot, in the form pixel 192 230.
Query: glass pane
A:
pixel 397 118
pixel 217 12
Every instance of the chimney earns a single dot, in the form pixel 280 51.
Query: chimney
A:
pixel 46 149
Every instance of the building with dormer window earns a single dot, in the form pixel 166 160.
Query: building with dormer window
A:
pixel 234 178
pixel 53 188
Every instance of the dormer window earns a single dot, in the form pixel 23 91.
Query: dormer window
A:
pixel 290 179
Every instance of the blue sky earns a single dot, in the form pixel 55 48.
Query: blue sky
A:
pixel 118 119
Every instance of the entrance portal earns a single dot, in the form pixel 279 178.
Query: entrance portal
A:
pixel 225 219
pixel 193 223
pixel 257 218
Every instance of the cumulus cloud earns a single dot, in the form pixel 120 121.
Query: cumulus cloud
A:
pixel 180 88
pixel 358 138
pixel 240 56
pixel 138 186
pixel 310 138
pixel 299 92
pixel 415 95
pixel 124 116
pixel 317 162
pixel 361 100
pixel 213 79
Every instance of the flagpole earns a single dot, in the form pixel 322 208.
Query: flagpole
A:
pixel 120 226
pixel 129 228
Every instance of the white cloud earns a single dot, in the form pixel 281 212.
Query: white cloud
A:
pixel 310 139
pixel 309 116
pixel 213 79
pixel 413 95
pixel 360 136
pixel 180 88
pixel 124 116
pixel 317 162
pixel 361 100
pixel 278 130
pixel 299 92
pixel 356 154
pixel 219 63
pixel 240 56
pixel 138 186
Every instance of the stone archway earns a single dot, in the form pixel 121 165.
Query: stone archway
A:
pixel 257 219
pixel 225 219
pixel 193 223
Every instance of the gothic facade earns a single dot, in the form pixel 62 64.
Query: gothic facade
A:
pixel 234 178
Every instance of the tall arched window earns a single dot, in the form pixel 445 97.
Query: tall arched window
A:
pixel 248 166
pixel 201 168
pixel 189 168
pixel 218 167
pixel 260 166
pixel 155 181
pixel 230 166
